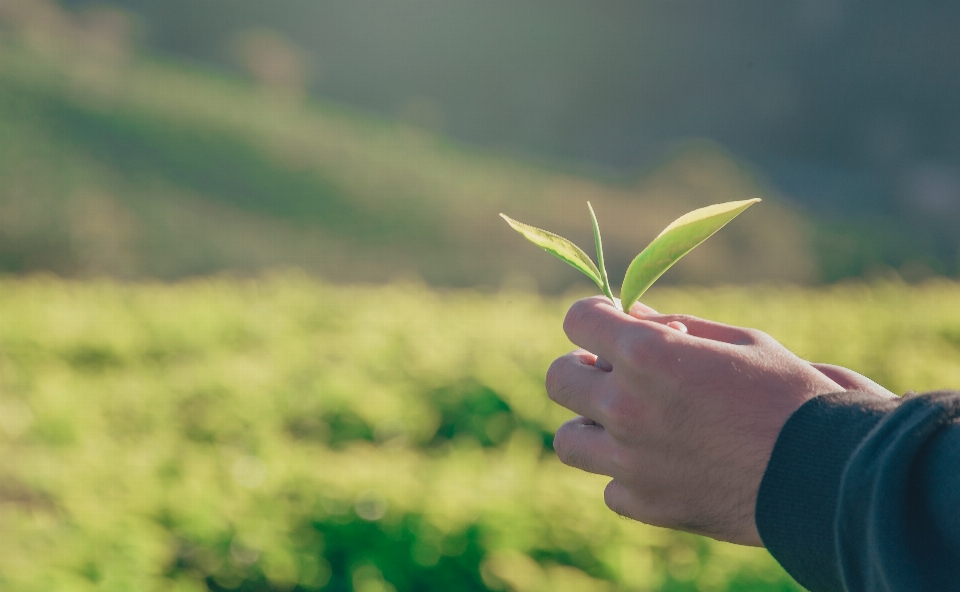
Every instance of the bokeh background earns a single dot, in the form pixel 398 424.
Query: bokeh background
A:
pixel 261 327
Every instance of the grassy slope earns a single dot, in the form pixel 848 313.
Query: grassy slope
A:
pixel 132 167
pixel 218 431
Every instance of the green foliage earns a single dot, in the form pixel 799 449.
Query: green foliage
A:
pixel 676 240
pixel 598 242
pixel 561 248
pixel 270 434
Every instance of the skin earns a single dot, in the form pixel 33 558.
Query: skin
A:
pixel 681 412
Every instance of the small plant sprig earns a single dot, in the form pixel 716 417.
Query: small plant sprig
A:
pixel 676 240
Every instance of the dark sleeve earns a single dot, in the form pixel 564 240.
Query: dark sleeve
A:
pixel 862 493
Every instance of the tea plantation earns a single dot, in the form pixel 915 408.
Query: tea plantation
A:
pixel 282 433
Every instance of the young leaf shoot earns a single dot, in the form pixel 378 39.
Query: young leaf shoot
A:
pixel 559 246
pixel 603 268
pixel 676 240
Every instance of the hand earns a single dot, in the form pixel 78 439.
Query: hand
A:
pixel 684 422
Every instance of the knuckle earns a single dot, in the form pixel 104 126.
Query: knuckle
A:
pixel 575 315
pixel 613 419
pixel 561 446
pixel 585 316
pixel 615 497
pixel 756 337
pixel 639 347
pixel 565 447
pixel 554 381
pixel 621 414
pixel 635 503
pixel 623 461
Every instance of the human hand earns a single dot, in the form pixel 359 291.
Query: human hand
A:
pixel 684 422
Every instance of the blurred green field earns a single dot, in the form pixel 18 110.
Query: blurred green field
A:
pixel 281 433
pixel 114 163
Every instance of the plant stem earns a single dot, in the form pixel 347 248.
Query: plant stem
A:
pixel 603 270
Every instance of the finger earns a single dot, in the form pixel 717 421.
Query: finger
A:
pixel 573 381
pixel 618 499
pixel 597 361
pixel 584 444
pixel 594 324
pixel 597 326
pixel 705 329
pixel 852 381
pixel 629 504
pixel 641 309
pixel 678 326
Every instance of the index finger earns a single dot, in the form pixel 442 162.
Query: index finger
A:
pixel 598 327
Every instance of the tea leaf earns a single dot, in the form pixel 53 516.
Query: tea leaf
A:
pixel 603 268
pixel 558 246
pixel 676 240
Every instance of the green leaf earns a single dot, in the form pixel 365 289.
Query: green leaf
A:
pixel 558 246
pixel 676 240
pixel 603 268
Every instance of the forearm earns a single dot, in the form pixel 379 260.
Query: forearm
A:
pixel 860 493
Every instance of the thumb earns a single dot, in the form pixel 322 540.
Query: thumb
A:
pixel 640 309
pixel 852 381
pixel 697 327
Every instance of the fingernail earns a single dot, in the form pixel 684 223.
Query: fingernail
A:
pixel 678 326
pixel 602 364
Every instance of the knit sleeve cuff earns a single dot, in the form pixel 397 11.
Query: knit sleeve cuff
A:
pixel 798 497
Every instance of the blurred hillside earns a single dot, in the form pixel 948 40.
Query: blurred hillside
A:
pixel 115 164
pixel 848 107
